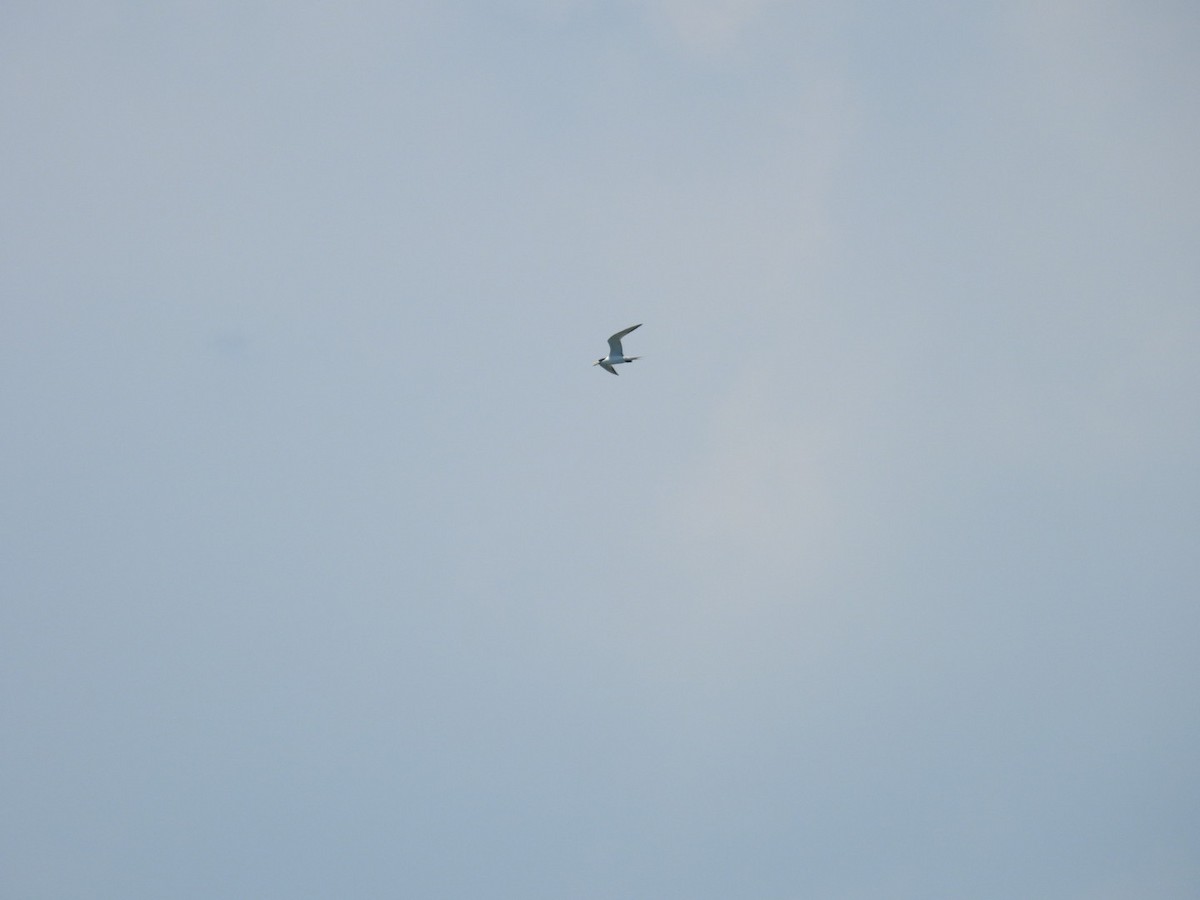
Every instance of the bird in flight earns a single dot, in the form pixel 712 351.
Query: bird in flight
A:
pixel 616 355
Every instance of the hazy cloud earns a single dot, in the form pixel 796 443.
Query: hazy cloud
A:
pixel 328 565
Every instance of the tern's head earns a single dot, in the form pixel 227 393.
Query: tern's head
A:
pixel 597 362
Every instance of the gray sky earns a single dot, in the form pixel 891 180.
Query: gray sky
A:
pixel 331 568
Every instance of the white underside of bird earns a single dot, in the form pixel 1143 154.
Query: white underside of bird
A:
pixel 616 355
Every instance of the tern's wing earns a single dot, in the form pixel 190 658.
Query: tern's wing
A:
pixel 614 342
pixel 604 364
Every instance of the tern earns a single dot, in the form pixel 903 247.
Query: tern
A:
pixel 616 355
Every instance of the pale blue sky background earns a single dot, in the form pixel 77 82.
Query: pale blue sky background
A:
pixel 331 568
